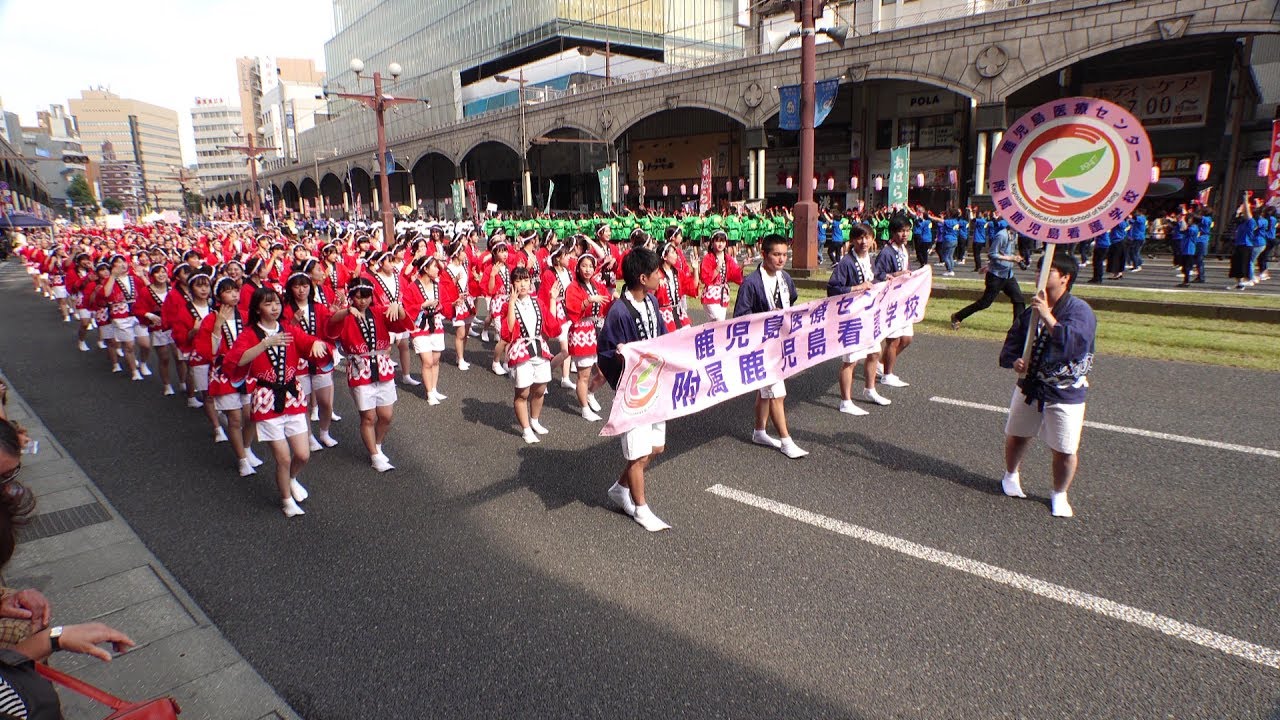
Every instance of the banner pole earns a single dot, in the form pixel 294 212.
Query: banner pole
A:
pixel 1047 262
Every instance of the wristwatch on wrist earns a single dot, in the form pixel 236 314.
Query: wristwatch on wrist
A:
pixel 55 636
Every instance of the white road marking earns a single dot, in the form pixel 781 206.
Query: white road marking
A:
pixel 1127 430
pixel 1102 606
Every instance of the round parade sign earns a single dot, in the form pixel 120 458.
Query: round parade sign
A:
pixel 1071 169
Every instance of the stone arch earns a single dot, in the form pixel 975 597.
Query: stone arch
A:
pixel 494 165
pixel 682 103
pixel 289 195
pixel 481 140
pixel 433 175
pixel 431 150
pixel 308 189
pixel 562 123
pixel 331 189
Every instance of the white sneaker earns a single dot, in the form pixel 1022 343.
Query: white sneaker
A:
pixel 1061 508
pixel 791 449
pixel 590 415
pixel 538 427
pixel 327 440
pixel 463 365
pixel 84 347
pixel 622 498
pixel 291 508
pixel 102 345
pixel 219 436
pixel 146 369
pixel 870 395
pixel 137 376
pixel 120 351
pixel 115 368
pixel 194 402
pixel 66 318
pixel 433 400
pixel 592 402
pixel 411 380
pixel 334 416
pixel 568 384
pixel 473 332
pixel 849 408
pixel 893 381
pixel 1011 484
pixel 949 273
pixel 314 443
pixel 498 369
pixel 648 520
pixel 315 414
pixel 246 468
pixel 381 463
pixel 253 458
pixel 484 336
pixel 168 390
pixel 439 395
pixel 299 493
pixel 762 437
pixel 530 436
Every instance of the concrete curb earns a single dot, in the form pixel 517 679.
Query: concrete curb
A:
pixel 1140 307
pixel 96 570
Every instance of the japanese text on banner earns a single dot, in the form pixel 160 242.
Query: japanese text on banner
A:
pixel 690 370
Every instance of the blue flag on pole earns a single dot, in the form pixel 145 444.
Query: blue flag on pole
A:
pixel 789 113
pixel 824 99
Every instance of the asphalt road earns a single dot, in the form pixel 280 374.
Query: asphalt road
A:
pixel 487 578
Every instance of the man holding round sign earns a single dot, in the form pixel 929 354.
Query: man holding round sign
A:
pixel 1069 170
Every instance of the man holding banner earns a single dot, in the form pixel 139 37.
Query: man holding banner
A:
pixel 770 288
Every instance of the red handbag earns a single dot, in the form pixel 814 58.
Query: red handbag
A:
pixel 165 708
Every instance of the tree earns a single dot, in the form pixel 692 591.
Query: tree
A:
pixel 80 194
pixel 113 206
pixel 194 202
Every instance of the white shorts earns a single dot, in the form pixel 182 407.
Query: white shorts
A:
pixel 84 314
pixel 282 427
pixel 641 440
pixel 534 371
pixel 374 395
pixel 716 312
pixel 311 383
pixel 107 332
pixel 776 390
pixel 397 337
pixel 461 323
pixel 429 343
pixel 200 377
pixel 160 338
pixel 852 358
pixel 226 402
pixel 59 292
pixel 141 331
pixel 584 362
pixel 124 328
pixel 1059 426
pixel 907 331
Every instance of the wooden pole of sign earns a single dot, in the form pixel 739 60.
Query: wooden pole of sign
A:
pixel 1034 327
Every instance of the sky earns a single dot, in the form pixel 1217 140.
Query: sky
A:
pixel 165 52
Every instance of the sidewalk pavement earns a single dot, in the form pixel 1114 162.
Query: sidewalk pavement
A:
pixel 86 559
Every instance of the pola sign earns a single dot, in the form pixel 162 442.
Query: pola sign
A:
pixel 924 103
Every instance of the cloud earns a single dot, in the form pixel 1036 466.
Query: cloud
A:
pixel 166 53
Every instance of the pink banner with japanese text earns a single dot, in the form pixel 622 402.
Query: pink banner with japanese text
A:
pixel 692 369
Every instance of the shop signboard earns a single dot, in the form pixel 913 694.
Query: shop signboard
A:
pixel 1161 103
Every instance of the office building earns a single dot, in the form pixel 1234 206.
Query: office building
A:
pixel 139 132
pixel 215 124
pixel 120 179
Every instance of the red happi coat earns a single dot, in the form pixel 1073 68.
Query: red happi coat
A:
pixel 455 300
pixel 585 316
pixel 336 277
pixel 220 382
pixel 150 302
pixel 553 281
pixel 716 278
pixel 314 322
pixel 367 364
pixel 272 377
pixel 181 315
pixel 124 293
pixel 672 291
pixel 526 340
pixel 426 321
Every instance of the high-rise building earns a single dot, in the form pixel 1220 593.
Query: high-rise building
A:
pixel 249 85
pixel 120 179
pixel 52 148
pixel 139 132
pixel 215 123
pixel 292 102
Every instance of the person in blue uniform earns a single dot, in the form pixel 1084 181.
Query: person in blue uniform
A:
pixel 954 231
pixel 1137 237
pixel 770 288
pixel 1049 400
pixel 981 226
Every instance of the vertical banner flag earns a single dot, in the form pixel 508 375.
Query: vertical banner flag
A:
pixel 789 113
pixel 704 187
pixel 693 368
pixel 606 187
pixel 899 172
pixel 824 99
pixel 1071 169
pixel 473 201
pixel 1273 167
pixel 456 190
pixel 551 191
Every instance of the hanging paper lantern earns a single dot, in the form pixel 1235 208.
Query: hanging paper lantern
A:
pixel 742 183
pixel 728 186
pixel 1155 173
pixel 953 177
pixel 879 183
pixel 831 183
pixel 919 180
pixel 664 190
pixel 790 182
pixel 684 189
pixel 1202 172
pixel 696 188
pixel 626 189
pixel 853 183
pixel 1263 165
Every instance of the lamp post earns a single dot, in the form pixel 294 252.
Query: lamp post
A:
pixel 180 174
pixel 526 183
pixel 378 102
pixel 251 151
pixel 587 51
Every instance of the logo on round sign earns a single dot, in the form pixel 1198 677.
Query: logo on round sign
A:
pixel 1071 169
